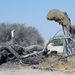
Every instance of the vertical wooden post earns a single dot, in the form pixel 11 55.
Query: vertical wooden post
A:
pixel 12 36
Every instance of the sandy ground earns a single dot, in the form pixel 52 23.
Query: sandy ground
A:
pixel 30 71
pixel 59 49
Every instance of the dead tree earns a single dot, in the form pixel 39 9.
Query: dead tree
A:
pixel 68 29
pixel 11 50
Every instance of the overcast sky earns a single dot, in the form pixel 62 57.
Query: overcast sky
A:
pixel 33 13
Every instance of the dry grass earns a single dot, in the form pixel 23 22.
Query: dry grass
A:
pixel 61 65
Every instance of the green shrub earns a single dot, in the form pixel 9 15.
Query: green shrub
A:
pixel 58 42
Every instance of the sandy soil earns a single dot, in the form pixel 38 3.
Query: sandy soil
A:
pixel 59 49
pixel 30 71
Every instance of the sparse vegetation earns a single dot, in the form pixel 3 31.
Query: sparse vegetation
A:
pixel 58 42
pixel 24 36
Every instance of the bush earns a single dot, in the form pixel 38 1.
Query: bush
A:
pixel 24 36
pixel 58 42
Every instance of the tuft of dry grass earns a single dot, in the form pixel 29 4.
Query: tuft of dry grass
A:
pixel 62 64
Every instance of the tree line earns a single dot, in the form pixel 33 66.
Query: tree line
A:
pixel 24 35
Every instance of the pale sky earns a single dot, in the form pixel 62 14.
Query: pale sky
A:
pixel 33 13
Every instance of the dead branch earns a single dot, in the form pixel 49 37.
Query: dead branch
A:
pixel 31 47
pixel 45 47
pixel 28 55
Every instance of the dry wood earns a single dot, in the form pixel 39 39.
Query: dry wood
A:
pixel 68 30
pixel 31 47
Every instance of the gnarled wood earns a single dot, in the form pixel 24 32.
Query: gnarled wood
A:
pixel 68 30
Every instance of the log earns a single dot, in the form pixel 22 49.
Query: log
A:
pixel 18 51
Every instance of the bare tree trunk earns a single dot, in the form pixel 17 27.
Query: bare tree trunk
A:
pixel 67 50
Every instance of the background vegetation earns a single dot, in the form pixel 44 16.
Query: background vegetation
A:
pixel 24 36
pixel 58 42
